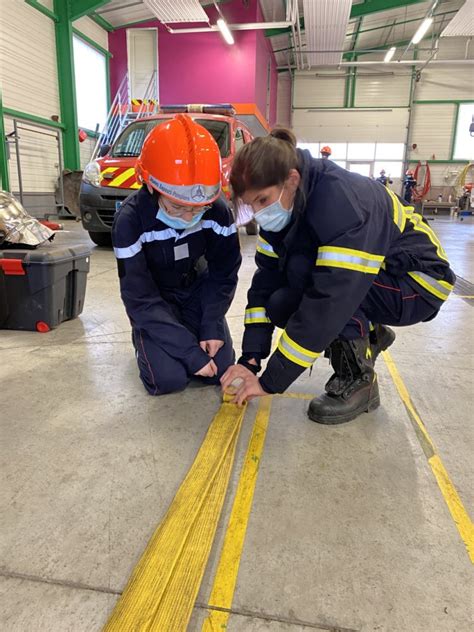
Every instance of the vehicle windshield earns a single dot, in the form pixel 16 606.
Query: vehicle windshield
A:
pixel 129 143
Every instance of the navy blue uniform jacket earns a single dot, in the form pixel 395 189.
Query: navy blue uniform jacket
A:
pixel 344 228
pixel 160 266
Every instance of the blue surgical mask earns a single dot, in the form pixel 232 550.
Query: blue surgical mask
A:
pixel 273 217
pixel 177 222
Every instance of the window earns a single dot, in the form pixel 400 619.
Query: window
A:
pixel 392 169
pixel 339 150
pixel 239 139
pixel 361 151
pixel 464 140
pixel 313 148
pixel 91 85
pixel 130 141
pixel 389 151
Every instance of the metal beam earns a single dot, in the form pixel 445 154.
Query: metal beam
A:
pixel 374 6
pixel 44 10
pixel 4 175
pixel 98 19
pixel 67 83
pixel 79 8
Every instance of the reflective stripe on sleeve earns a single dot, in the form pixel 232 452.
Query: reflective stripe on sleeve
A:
pixel 129 251
pixel 295 352
pixel 256 315
pixel 440 289
pixel 349 259
pixel 399 214
pixel 265 249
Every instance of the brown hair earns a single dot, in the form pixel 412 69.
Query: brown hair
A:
pixel 264 162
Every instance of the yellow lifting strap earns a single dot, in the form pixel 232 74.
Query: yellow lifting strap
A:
pixel 162 590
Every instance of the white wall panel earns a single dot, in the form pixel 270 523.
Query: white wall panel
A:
pixel 283 114
pixel 38 157
pixel 92 30
pixel 319 89
pixel 379 89
pixel 28 71
pixel 432 130
pixel 442 83
pixel 349 125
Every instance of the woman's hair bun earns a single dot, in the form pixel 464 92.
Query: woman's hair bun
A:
pixel 284 134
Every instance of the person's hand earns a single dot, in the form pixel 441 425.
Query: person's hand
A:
pixel 211 347
pixel 248 389
pixel 208 370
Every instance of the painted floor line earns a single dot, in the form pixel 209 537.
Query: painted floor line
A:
pixel 456 508
pixel 225 578
pixel 162 590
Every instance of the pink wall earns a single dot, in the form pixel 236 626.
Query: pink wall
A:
pixel 201 67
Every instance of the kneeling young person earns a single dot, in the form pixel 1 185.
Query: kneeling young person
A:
pixel 178 256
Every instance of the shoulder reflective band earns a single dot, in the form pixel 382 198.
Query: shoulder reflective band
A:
pixel 264 248
pixel 419 225
pixel 349 259
pixel 295 352
pixel 255 315
pixel 441 289
pixel 399 216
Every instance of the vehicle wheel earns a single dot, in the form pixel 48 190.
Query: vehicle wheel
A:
pixel 251 228
pixel 101 239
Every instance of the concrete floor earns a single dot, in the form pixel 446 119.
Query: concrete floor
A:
pixel 348 530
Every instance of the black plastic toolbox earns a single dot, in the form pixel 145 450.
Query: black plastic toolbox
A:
pixel 39 289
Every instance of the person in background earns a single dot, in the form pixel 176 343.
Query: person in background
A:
pixel 384 179
pixel 178 255
pixel 408 186
pixel 338 259
pixel 326 152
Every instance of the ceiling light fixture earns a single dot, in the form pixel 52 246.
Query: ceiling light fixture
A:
pixel 390 53
pixel 422 29
pixel 225 32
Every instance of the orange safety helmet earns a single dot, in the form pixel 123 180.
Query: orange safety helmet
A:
pixel 181 159
pixel 326 150
pixel 410 172
pixel 468 186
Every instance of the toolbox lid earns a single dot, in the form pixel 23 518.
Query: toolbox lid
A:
pixel 47 254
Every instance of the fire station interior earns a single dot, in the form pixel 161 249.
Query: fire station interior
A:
pixel 123 509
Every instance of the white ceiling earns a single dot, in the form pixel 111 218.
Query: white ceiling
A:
pixel 372 31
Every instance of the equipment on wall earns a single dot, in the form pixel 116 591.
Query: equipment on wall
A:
pixel 422 174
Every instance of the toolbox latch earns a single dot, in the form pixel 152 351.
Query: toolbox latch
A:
pixel 12 267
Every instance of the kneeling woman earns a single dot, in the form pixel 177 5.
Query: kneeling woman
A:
pixel 339 257
pixel 178 256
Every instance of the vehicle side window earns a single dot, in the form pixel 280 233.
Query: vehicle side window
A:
pixel 239 139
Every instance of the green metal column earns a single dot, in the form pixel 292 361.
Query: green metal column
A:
pixel 67 84
pixel 3 151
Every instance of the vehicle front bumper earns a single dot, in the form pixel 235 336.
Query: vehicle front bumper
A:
pixel 98 206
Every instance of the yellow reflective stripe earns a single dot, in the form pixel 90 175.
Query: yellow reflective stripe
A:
pixel 349 259
pixel 419 225
pixel 256 315
pixel 126 175
pixel 295 352
pixel 399 214
pixel 265 249
pixel 108 170
pixel 438 288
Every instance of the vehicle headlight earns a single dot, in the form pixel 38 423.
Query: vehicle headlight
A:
pixel 92 173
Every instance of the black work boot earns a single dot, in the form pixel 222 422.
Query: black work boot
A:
pixel 381 337
pixel 353 388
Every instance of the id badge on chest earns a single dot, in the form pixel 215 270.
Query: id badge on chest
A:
pixel 181 252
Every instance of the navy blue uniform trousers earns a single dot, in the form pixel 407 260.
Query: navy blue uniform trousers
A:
pixel 159 372
pixel 390 301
